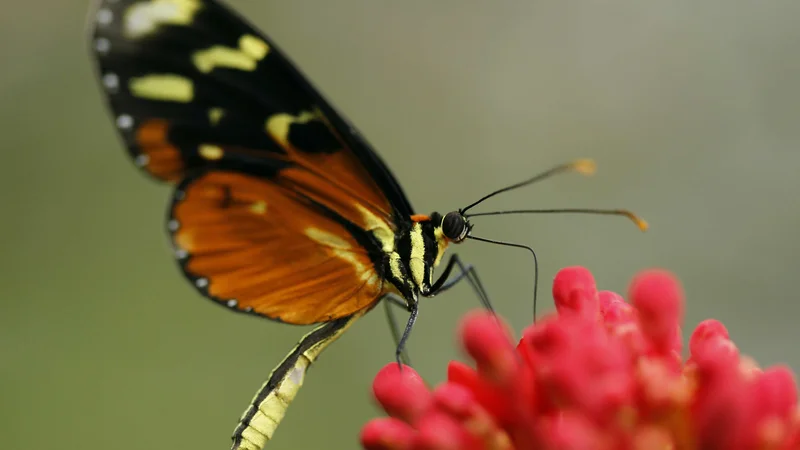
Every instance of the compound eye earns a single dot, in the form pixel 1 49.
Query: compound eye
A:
pixel 454 226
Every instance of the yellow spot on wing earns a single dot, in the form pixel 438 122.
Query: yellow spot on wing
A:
pixel 278 125
pixel 253 46
pixel 145 17
pixel 215 114
pixel 164 87
pixel 218 56
pixel 211 152
pixel 379 228
pixel 328 239
pixel 342 249
pixel 259 207
pixel 251 50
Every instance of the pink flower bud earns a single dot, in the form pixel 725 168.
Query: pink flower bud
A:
pixel 487 341
pixel 387 434
pixel 401 392
pixel 658 298
pixel 574 292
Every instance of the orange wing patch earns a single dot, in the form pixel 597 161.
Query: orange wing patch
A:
pixel 338 166
pixel 157 154
pixel 255 246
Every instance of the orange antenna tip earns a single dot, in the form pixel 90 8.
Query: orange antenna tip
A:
pixel 584 166
pixel 641 223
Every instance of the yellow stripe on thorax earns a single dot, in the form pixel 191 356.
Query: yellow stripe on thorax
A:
pixel 441 244
pixel 416 262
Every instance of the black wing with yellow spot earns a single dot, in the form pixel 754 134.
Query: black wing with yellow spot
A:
pixel 277 195
pixel 188 78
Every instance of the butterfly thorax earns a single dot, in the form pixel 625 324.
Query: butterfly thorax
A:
pixel 419 247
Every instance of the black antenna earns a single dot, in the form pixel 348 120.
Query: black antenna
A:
pixel 535 263
pixel 641 223
pixel 583 166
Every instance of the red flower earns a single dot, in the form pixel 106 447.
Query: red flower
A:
pixel 599 374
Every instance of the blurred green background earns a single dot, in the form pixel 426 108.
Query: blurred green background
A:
pixel 690 108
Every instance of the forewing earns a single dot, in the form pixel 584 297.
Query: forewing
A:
pixel 192 85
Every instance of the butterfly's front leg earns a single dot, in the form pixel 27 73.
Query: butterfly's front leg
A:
pixel 467 271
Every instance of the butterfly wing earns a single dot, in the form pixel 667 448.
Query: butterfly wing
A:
pixel 185 76
pixel 204 101
pixel 259 247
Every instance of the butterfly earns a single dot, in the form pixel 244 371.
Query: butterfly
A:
pixel 280 207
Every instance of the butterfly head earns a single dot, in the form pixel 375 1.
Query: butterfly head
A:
pixel 455 226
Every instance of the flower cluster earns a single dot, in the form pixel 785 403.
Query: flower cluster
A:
pixel 599 373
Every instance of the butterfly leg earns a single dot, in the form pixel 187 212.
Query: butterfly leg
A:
pixel 466 271
pixel 401 345
pixel 440 285
pixel 390 301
